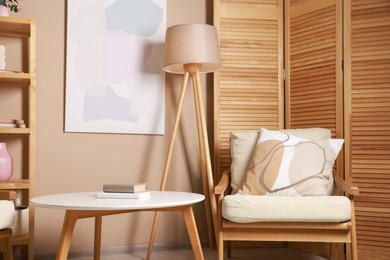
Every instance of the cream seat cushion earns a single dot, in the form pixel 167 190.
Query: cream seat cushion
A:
pixel 251 208
pixel 7 214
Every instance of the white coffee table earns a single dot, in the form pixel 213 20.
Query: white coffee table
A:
pixel 86 205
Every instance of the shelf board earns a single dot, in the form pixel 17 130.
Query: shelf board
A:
pixel 15 27
pixel 15 184
pixel 11 130
pixel 8 78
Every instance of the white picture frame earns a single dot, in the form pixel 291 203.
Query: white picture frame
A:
pixel 114 59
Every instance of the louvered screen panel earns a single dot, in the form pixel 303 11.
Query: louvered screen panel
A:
pixel 313 58
pixel 370 123
pixel 248 90
pixel 313 66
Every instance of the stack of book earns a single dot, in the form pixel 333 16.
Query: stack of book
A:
pixel 124 191
pixel 12 123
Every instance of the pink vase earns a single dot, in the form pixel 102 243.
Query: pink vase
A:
pixel 5 163
pixel 4 10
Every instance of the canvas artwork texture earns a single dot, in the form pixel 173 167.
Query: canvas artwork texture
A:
pixel 114 80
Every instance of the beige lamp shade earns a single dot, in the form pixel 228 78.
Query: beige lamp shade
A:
pixel 191 43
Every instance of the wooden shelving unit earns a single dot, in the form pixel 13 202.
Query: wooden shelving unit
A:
pixel 24 29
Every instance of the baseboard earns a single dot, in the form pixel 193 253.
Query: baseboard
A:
pixel 117 250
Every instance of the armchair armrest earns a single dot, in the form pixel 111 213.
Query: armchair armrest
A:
pixel 7 195
pixel 346 186
pixel 223 183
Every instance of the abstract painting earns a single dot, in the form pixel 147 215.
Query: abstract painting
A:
pixel 114 77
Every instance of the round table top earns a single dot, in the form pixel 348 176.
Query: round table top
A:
pixel 89 201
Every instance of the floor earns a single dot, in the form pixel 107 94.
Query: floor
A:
pixel 186 254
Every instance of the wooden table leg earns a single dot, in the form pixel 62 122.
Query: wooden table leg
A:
pixel 153 235
pixel 98 236
pixel 71 217
pixel 192 230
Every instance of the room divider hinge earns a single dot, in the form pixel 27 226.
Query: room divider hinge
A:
pixel 342 65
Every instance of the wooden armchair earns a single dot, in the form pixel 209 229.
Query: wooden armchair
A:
pixel 7 217
pixel 281 218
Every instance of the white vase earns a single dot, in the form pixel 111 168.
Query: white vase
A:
pixel 4 10
pixel 20 226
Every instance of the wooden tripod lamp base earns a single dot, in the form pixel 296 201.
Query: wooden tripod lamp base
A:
pixel 191 49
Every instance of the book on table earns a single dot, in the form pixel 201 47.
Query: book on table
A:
pixel 124 188
pixel 123 195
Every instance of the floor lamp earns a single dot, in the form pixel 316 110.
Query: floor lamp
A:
pixel 191 49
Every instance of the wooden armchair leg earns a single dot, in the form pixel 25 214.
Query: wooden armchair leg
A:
pixel 229 248
pixel 220 246
pixel 8 255
pixel 5 244
pixel 354 252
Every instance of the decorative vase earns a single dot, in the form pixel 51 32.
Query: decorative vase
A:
pixel 2 57
pixel 4 10
pixel 5 163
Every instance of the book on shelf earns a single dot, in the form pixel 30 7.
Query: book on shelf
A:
pixel 123 195
pixel 125 188
pixel 10 71
pixel 12 123
pixel 2 125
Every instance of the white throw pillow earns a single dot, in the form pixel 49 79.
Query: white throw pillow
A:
pixel 286 165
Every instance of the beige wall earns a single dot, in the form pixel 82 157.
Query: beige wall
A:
pixel 72 162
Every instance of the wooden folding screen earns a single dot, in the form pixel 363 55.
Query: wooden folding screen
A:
pixel 249 88
pixel 367 107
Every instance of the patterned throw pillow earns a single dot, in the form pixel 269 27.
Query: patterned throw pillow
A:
pixel 286 165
